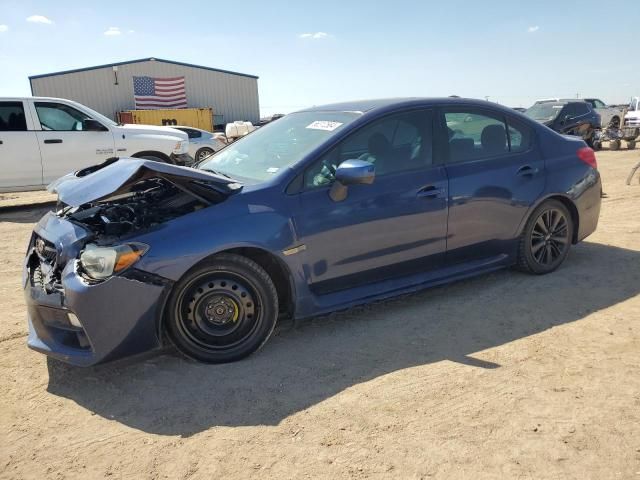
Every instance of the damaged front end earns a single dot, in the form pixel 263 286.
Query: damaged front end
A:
pixel 86 301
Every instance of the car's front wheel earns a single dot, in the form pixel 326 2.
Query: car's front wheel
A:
pixel 223 310
pixel 546 239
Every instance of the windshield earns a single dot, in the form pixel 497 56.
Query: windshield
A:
pixel 632 106
pixel 270 149
pixel 543 112
pixel 98 116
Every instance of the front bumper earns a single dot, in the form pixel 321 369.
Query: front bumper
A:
pixel 117 317
pixel 183 159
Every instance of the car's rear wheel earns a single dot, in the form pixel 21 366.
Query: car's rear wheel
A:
pixel 223 310
pixel 546 239
pixel 203 153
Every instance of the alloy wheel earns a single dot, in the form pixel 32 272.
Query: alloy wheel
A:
pixel 549 237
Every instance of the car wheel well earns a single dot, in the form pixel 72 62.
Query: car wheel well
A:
pixel 278 272
pixel 575 218
pixel 151 153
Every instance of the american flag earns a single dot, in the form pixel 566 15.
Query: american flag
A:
pixel 153 93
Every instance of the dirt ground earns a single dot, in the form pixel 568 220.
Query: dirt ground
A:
pixel 505 376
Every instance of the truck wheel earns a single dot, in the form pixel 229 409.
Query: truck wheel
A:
pixel 631 144
pixel 614 145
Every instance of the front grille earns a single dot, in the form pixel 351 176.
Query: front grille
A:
pixel 44 271
pixel 45 250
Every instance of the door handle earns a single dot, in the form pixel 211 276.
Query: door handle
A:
pixel 430 191
pixel 526 171
pixel 53 140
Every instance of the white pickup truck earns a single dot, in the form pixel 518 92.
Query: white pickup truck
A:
pixel 632 118
pixel 42 139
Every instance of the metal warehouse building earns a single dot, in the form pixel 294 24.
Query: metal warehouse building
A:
pixel 109 88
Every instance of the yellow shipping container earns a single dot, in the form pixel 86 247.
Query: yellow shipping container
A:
pixel 189 117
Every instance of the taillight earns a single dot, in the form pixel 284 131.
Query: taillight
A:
pixel 588 156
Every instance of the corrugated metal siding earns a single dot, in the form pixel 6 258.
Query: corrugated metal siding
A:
pixel 234 96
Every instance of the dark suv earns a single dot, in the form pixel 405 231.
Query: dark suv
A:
pixel 568 117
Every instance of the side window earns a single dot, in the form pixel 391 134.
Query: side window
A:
pixel 12 117
pixel 397 143
pixel 59 117
pixel 568 111
pixel 194 133
pixel 581 109
pixel 520 136
pixel 598 104
pixel 474 135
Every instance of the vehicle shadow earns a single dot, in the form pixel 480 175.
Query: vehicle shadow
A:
pixel 301 367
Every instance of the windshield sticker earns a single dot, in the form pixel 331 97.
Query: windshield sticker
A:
pixel 324 125
pixel 272 169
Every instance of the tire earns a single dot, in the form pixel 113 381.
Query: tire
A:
pixel 541 250
pixel 223 310
pixel 631 144
pixel 203 153
pixel 614 145
pixel 597 146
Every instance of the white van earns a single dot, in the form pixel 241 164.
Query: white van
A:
pixel 42 139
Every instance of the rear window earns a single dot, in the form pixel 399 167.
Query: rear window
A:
pixel 12 117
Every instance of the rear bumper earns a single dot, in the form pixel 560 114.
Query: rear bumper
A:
pixel 588 199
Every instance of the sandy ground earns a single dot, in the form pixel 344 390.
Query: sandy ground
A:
pixel 505 376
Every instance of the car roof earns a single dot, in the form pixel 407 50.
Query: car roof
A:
pixel 187 126
pixel 365 106
pixel 19 99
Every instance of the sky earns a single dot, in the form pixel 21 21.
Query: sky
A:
pixel 311 53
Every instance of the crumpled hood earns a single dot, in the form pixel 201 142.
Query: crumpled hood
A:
pixel 117 176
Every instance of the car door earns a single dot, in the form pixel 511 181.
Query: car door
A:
pixel 393 227
pixel 64 143
pixel 495 173
pixel 19 153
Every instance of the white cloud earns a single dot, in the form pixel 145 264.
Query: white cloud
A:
pixel 39 19
pixel 4 28
pixel 131 31
pixel 316 35
pixel 113 31
pixel 533 29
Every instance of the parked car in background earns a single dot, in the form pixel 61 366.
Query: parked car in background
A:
pixel 632 117
pixel 569 117
pixel 42 139
pixel 269 119
pixel 202 143
pixel 324 209
pixel 610 116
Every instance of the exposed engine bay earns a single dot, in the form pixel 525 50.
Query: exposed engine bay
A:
pixel 150 202
pixel 100 206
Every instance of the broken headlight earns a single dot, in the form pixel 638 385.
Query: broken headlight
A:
pixel 102 262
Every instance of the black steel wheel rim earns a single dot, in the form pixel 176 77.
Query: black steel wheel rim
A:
pixel 218 311
pixel 549 237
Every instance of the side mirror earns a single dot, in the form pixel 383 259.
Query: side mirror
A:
pixel 91 125
pixel 351 172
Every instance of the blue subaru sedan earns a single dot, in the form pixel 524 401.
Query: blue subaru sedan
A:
pixel 324 209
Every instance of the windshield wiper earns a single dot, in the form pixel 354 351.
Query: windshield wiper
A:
pixel 215 172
